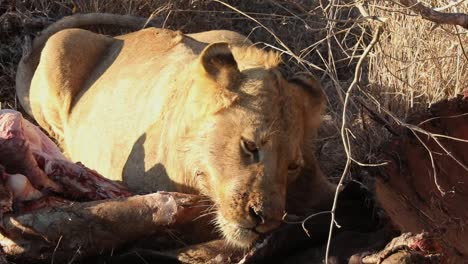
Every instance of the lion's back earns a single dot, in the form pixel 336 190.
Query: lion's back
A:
pixel 125 94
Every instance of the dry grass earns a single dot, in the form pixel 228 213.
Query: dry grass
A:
pixel 417 63
pixel 413 65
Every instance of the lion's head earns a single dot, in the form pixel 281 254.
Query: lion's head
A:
pixel 254 140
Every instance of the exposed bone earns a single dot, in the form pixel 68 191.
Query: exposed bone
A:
pixel 15 153
pixel 21 188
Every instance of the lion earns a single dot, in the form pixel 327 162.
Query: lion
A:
pixel 205 113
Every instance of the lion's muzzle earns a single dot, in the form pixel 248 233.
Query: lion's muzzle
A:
pixel 250 215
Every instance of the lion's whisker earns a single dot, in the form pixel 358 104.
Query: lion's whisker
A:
pixel 204 215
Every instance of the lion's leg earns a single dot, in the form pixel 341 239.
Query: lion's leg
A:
pixel 66 62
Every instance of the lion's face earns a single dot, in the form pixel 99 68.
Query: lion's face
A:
pixel 249 160
pixel 251 150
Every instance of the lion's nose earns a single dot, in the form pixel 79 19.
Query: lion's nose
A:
pixel 263 224
pixel 257 216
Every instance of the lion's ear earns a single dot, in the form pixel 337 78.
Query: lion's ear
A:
pixel 310 85
pixel 219 65
pixel 312 96
pixel 312 88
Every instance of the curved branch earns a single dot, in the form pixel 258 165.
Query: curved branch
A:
pixel 460 19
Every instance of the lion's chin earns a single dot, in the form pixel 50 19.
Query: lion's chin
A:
pixel 236 235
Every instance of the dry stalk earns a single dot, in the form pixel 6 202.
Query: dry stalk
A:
pixel 452 4
pixel 154 14
pixel 330 14
pixel 461 43
pixel 346 145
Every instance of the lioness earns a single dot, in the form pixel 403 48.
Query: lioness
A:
pixel 204 113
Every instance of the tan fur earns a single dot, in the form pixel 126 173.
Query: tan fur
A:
pixel 160 110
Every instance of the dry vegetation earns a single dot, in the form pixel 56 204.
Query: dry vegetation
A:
pixel 418 63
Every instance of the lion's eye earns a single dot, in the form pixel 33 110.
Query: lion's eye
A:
pixel 249 146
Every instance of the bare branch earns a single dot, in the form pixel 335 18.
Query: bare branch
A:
pixel 459 19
